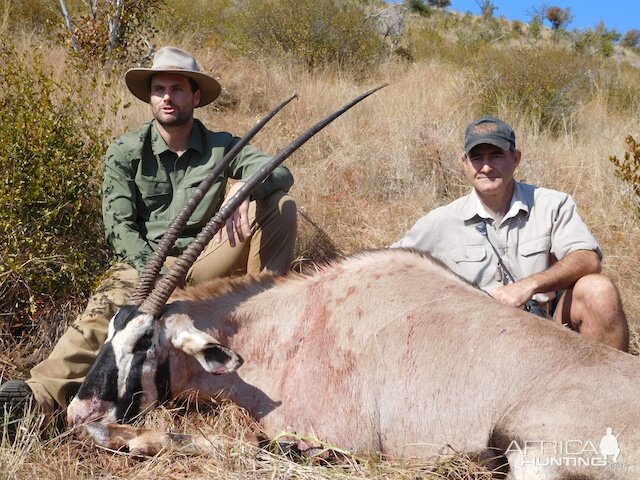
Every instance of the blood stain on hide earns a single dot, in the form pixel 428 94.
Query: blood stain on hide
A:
pixel 317 340
pixel 348 293
pixel 410 361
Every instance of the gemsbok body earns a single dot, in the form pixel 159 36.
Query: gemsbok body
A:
pixel 386 351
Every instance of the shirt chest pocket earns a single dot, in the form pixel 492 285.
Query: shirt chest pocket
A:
pixel 535 246
pixel 468 254
pixel 154 194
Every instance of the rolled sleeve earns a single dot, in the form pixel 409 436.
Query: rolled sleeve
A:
pixel 569 233
pixel 418 236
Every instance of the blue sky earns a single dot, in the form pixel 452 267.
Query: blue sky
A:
pixel 620 15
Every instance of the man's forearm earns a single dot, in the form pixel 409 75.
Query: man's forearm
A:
pixel 565 272
pixel 561 275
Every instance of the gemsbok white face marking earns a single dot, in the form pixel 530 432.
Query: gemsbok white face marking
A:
pixel 132 373
pixel 129 374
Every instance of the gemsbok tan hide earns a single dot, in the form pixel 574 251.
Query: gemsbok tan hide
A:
pixel 386 351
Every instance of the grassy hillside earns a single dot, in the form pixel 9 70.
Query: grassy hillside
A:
pixel 360 183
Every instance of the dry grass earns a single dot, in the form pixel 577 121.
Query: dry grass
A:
pixel 38 452
pixel 361 183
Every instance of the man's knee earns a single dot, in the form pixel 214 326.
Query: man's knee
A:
pixel 597 303
pixel 596 291
pixel 279 208
pixel 273 243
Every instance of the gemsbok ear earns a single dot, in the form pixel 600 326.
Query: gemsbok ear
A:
pixel 219 360
pixel 213 357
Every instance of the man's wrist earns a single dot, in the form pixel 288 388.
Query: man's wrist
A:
pixel 532 285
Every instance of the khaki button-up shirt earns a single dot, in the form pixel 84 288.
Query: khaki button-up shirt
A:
pixel 542 225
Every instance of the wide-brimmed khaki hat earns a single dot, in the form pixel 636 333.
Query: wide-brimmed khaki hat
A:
pixel 172 60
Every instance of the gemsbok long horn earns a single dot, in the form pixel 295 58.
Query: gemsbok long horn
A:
pixel 155 263
pixel 155 302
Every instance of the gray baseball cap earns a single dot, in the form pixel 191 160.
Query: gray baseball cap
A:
pixel 489 130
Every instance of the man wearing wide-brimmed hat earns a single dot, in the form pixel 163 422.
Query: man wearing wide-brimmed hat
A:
pixel 149 175
pixel 525 245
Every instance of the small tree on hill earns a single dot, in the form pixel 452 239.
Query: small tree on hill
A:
pixel 418 6
pixel 535 27
pixel 439 3
pixel 559 17
pixel 487 8
pixel 111 30
pixel 631 39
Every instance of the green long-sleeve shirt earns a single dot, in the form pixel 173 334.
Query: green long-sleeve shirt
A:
pixel 146 185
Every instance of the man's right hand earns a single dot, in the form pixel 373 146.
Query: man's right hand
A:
pixel 514 294
pixel 238 223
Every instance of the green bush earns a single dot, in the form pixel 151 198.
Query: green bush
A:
pixel 535 27
pixel 131 22
pixel 599 40
pixel 419 7
pixel 198 21
pixel 315 33
pixel 32 15
pixel 631 39
pixel 425 42
pixel 621 88
pixel 50 222
pixel 544 84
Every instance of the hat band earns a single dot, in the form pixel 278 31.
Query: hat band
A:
pixel 173 67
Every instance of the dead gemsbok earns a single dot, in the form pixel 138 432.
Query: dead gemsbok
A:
pixel 386 351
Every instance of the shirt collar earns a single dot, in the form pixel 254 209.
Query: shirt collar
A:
pixel 196 142
pixel 519 201
pixel 473 207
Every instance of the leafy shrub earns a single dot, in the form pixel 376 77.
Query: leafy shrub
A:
pixel 535 27
pixel 629 168
pixel 50 222
pixel 315 33
pixel 487 8
pixel 558 17
pixel 200 21
pixel 621 88
pixel 517 28
pixel 599 40
pixel 426 42
pixel 33 15
pixel 418 6
pixel 107 32
pixel 631 38
pixel 544 84
pixel 439 3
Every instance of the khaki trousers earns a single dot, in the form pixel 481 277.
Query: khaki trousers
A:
pixel 56 380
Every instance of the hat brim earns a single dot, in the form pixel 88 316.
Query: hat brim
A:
pixel 497 142
pixel 138 82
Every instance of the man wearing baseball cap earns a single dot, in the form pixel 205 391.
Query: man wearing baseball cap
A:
pixel 149 175
pixel 525 245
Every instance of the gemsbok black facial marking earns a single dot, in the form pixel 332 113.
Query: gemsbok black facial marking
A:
pixel 125 373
